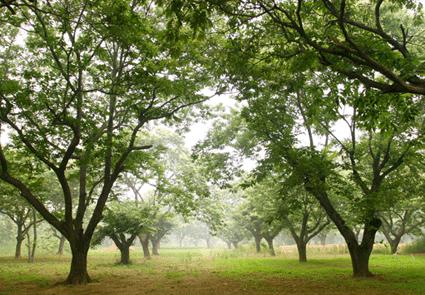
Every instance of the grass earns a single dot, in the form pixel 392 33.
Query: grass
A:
pixel 201 271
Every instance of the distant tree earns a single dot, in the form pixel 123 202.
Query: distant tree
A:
pixel 405 209
pixel 123 222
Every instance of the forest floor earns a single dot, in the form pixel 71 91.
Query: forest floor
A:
pixel 201 271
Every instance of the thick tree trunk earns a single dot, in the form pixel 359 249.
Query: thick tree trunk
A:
pixel 229 245
pixel 235 245
pixel 155 246
pixel 360 261
pixel 78 274
pixel 19 239
pixel 125 254
pixel 271 247
pixel 257 244
pixel 144 240
pixel 302 251
pixel 61 245
pixel 359 253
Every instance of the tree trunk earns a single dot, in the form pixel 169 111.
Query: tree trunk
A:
pixel 359 253
pixel 302 251
pixel 257 244
pixel 125 254
pixel 155 246
pixel 78 274
pixel 271 247
pixel 394 244
pixel 322 238
pixel 229 245
pixel 208 243
pixel 19 239
pixel 235 245
pixel 144 240
pixel 360 261
pixel 61 245
pixel 34 240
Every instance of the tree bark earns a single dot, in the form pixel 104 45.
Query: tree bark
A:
pixel 302 251
pixel 394 244
pixel 271 247
pixel 78 274
pixel 359 253
pixel 235 245
pixel 155 246
pixel 34 240
pixel 61 246
pixel 257 244
pixel 19 239
pixel 144 240
pixel 125 254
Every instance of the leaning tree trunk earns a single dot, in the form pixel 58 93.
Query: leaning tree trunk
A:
pixel 155 246
pixel 257 244
pixel 144 240
pixel 359 253
pixel 271 247
pixel 302 251
pixel 394 244
pixel 61 246
pixel 78 274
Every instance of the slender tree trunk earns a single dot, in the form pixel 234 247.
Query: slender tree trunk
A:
pixel 155 246
pixel 208 243
pixel 257 244
pixel 302 251
pixel 144 240
pixel 28 247
pixel 19 239
pixel 34 239
pixel 61 246
pixel 125 253
pixel 271 247
pixel 78 274
pixel 229 245
pixel 322 238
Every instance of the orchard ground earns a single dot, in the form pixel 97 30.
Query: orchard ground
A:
pixel 202 271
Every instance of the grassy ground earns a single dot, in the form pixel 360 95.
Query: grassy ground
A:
pixel 196 271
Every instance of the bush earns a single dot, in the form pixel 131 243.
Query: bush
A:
pixel 417 246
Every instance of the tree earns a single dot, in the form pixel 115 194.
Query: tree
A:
pixel 232 232
pixel 17 209
pixel 88 79
pixel 404 213
pixel 375 42
pixel 303 217
pixel 162 226
pixel 123 222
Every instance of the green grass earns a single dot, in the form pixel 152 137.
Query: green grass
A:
pixel 177 270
